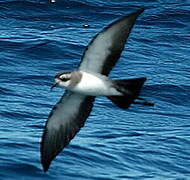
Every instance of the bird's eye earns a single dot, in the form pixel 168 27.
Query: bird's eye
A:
pixel 65 79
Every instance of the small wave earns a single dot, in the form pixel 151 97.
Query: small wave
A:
pixel 175 94
pixel 5 91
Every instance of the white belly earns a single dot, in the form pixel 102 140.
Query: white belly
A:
pixel 94 86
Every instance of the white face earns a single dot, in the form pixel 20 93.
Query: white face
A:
pixel 63 79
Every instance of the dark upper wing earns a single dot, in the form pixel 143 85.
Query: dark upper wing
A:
pixel 105 49
pixel 65 120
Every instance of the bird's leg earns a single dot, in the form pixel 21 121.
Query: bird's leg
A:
pixel 143 102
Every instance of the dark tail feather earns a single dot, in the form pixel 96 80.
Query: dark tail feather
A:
pixel 130 88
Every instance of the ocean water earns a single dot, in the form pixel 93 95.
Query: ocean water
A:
pixel 39 39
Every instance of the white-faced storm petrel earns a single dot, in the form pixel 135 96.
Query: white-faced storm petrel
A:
pixel 88 81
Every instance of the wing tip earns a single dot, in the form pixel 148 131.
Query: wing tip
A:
pixel 45 162
pixel 138 12
pixel 45 166
pixel 141 10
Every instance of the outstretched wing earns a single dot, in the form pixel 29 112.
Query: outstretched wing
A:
pixel 105 49
pixel 65 120
pixel 70 113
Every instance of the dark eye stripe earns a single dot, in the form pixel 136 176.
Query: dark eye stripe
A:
pixel 65 79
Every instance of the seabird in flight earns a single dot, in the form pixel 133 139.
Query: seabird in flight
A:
pixel 83 85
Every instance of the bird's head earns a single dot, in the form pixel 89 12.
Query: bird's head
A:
pixel 62 79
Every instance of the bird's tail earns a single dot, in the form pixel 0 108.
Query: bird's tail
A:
pixel 130 88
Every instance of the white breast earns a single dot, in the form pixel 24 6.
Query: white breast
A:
pixel 93 85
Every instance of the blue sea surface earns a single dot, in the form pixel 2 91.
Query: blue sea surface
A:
pixel 39 39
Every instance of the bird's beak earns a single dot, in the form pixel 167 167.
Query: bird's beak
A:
pixel 54 85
